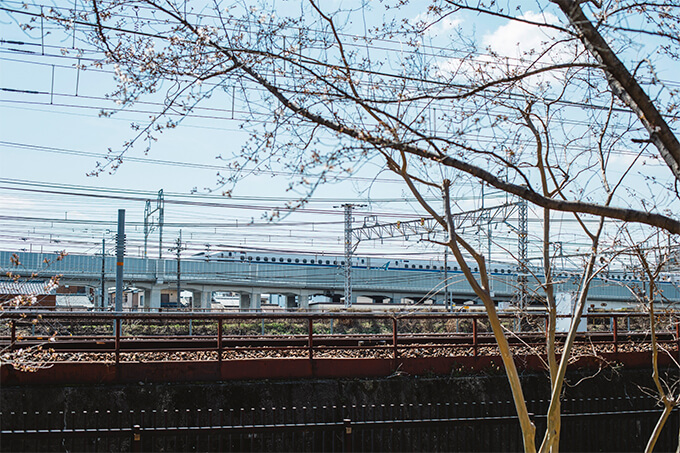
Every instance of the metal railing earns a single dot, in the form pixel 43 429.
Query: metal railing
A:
pixel 593 424
pixel 389 335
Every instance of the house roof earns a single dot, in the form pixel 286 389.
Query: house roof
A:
pixel 24 288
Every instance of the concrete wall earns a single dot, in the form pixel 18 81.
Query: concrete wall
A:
pixel 267 394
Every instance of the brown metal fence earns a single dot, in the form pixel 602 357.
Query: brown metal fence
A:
pixel 306 334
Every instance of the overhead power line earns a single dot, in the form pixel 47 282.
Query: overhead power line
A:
pixel 447 84
pixel 193 197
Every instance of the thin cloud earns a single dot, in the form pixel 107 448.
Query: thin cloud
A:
pixel 436 26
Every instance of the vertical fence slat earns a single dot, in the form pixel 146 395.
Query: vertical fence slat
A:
pixel 395 352
pixel 219 340
pixel 310 340
pixel 474 336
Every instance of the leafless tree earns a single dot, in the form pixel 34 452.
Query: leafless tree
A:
pixel 21 292
pixel 569 118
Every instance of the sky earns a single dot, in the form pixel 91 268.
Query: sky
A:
pixel 51 135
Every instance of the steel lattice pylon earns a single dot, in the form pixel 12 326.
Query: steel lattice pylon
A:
pixel 349 250
pixel 348 254
pixel 522 253
pixel 150 225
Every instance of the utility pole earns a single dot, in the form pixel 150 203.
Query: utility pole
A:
pixel 446 278
pixel 348 250
pixel 103 298
pixel 178 250
pixel 348 255
pixel 179 268
pixel 522 253
pixel 120 256
pixel 150 225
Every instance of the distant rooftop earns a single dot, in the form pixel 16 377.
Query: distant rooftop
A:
pixel 24 288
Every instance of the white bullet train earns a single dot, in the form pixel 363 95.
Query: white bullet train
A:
pixel 358 262
pixel 365 262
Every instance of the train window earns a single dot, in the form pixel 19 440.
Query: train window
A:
pixel 289 260
pixel 297 260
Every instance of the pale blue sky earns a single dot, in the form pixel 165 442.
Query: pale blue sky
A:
pixel 46 120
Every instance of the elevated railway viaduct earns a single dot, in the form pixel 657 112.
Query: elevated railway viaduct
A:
pixel 305 284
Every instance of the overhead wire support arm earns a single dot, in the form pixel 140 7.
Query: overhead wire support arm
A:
pixel 428 225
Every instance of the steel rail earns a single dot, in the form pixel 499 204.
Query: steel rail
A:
pixel 166 315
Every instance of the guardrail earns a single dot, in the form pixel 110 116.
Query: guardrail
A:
pixel 387 335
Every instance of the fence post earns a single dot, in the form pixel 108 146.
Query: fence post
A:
pixel 219 340
pixel 615 332
pixel 310 343
pixel 677 336
pixel 347 444
pixel 394 338
pixel 118 326
pixel 13 325
pixel 136 438
pixel 474 336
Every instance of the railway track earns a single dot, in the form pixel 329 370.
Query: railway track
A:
pixel 431 341
pixel 157 343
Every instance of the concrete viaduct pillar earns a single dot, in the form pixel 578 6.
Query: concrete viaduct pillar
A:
pixel 153 298
pixel 298 300
pixel 291 301
pixel 250 301
pixel 202 299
